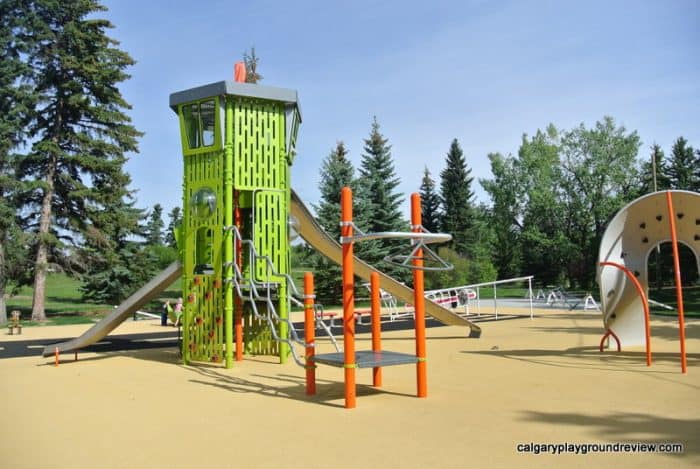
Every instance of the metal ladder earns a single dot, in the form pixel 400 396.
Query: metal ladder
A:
pixel 255 290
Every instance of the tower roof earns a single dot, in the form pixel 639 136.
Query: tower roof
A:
pixel 247 90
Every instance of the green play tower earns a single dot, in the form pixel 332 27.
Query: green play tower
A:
pixel 238 143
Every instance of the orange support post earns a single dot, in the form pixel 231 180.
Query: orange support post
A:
pixel 348 297
pixel 419 301
pixel 238 304
pixel 677 276
pixel 309 333
pixel 645 305
pixel 376 326
pixel 55 356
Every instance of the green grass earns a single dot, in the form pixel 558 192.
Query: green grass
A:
pixel 64 304
pixel 667 295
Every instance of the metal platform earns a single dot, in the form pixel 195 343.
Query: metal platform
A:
pixel 367 359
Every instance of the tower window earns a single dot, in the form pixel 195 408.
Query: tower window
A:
pixel 200 123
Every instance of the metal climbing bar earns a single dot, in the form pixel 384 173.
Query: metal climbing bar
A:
pixel 254 290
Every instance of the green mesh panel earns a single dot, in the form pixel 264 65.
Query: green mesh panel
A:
pixel 257 336
pixel 258 144
pixel 271 233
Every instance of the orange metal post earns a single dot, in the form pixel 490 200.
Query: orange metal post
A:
pixel 348 297
pixel 55 356
pixel 645 305
pixel 419 301
pixel 309 333
pixel 677 276
pixel 376 326
pixel 238 304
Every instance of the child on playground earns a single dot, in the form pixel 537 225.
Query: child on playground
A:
pixel 167 311
pixel 178 312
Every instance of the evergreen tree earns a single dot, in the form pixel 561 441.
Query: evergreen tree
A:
pixel 336 172
pixel 117 264
pixel 16 100
pixel 154 228
pixel 251 66
pixel 457 200
pixel 175 216
pixel 683 166
pixel 377 206
pixel 80 130
pixel 654 172
pixel 430 200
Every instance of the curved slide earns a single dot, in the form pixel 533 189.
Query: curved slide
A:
pixel 125 310
pixel 312 232
pixel 628 240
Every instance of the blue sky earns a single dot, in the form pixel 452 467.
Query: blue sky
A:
pixel 484 72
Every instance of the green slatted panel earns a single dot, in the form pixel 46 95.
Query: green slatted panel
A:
pixel 271 233
pixel 257 336
pixel 258 144
pixel 203 294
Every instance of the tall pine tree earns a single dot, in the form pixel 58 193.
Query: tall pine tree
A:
pixel 378 204
pixel 16 101
pixel 654 172
pixel 682 167
pixel 430 201
pixel 457 199
pixel 175 217
pixel 80 130
pixel 336 173
pixel 154 228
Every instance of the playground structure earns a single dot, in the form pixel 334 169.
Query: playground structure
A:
pixel 350 359
pixel 238 143
pixel 623 259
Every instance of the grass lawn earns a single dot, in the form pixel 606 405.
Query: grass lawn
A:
pixel 667 295
pixel 64 304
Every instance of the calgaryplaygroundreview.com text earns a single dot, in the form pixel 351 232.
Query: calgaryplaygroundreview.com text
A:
pixel 586 448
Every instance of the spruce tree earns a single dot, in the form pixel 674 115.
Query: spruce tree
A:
pixel 175 216
pixel 682 167
pixel 430 201
pixel 457 199
pixel 154 228
pixel 656 163
pixel 336 173
pixel 16 100
pixel 378 204
pixel 80 130
pixel 117 263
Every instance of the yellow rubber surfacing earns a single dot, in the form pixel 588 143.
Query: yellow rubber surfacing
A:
pixel 539 380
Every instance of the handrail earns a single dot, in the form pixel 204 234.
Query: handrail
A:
pixel 253 295
pixel 645 304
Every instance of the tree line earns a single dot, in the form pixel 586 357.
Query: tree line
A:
pixel 65 199
pixel 549 205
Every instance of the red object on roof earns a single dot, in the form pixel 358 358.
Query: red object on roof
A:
pixel 239 72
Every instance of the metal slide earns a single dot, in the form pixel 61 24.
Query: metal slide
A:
pixel 310 230
pixel 122 312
